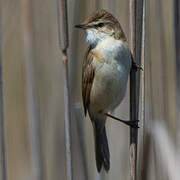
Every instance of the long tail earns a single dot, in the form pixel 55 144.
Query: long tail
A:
pixel 101 148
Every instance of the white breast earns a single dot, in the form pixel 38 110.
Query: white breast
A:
pixel 115 49
pixel 110 81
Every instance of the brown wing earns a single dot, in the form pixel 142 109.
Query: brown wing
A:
pixel 88 72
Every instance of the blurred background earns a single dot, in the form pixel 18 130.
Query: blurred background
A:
pixel 32 129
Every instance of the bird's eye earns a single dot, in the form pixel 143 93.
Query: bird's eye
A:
pixel 100 24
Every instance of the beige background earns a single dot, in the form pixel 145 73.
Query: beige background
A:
pixel 33 90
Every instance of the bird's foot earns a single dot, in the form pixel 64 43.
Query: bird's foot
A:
pixel 132 123
pixel 136 67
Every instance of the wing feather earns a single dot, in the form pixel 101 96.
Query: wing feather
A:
pixel 88 73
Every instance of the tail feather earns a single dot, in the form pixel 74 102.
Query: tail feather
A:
pixel 101 148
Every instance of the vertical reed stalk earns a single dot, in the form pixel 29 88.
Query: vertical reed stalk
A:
pixel 3 172
pixel 32 110
pixel 145 140
pixel 136 14
pixel 63 34
pixel 177 50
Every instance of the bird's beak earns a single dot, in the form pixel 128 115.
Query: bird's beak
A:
pixel 82 26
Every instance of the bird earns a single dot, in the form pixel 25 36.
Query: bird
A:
pixel 105 70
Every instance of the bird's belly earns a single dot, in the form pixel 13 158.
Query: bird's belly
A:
pixel 109 87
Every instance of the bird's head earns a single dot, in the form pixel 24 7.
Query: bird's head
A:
pixel 100 25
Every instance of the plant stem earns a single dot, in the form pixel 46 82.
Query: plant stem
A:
pixel 63 42
pixel 136 14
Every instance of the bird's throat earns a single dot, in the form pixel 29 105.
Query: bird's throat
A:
pixel 93 36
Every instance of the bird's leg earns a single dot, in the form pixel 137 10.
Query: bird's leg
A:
pixel 135 66
pixel 131 123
